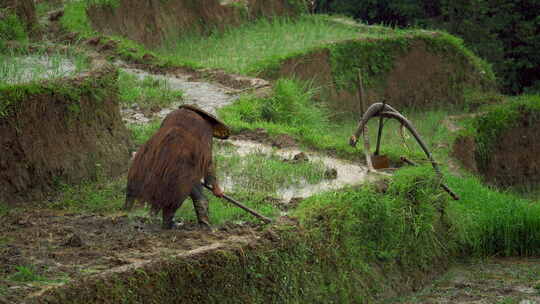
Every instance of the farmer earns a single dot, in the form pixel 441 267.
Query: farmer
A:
pixel 171 165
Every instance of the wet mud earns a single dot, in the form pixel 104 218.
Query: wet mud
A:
pixel 207 96
pixel 62 247
pixel 494 280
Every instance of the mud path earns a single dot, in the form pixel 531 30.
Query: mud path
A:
pixel 63 247
pixel 206 95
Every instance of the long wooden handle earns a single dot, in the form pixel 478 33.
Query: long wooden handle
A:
pixel 242 206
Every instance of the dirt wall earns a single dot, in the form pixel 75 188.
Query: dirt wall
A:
pixel 514 159
pixel 62 131
pixel 417 75
pixel 151 21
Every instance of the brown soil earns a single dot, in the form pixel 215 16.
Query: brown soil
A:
pixel 262 136
pixel 513 161
pixel 50 138
pixel 150 22
pixel 464 149
pixel 516 156
pixel 71 245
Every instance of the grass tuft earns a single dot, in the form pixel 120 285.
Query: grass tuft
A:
pixel 491 222
pixel 148 93
pixel 102 196
pixel 26 274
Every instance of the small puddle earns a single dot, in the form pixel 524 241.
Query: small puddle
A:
pixel 348 173
pixel 207 96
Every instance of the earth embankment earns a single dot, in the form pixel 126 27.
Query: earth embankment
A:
pixel 151 22
pixel 57 131
pixel 416 70
pixel 503 143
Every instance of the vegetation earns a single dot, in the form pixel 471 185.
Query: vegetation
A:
pixel 502 32
pixel 487 127
pixel 332 259
pixel 11 28
pixel 11 95
pixel 291 110
pixel 250 50
pixel 346 238
pixel 256 47
pixel 488 222
pixel 76 20
pixel 26 274
pixel 147 92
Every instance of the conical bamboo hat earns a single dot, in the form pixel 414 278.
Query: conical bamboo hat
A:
pixel 220 129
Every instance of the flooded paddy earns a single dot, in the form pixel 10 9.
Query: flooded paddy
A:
pixel 336 173
pixel 25 68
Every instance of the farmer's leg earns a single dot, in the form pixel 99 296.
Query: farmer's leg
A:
pixel 168 215
pixel 129 203
pixel 130 199
pixel 200 203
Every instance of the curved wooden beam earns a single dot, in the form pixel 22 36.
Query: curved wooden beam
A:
pixel 372 111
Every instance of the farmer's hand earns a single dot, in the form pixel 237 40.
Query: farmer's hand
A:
pixel 216 190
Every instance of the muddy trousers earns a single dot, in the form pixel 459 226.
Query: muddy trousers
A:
pixel 200 203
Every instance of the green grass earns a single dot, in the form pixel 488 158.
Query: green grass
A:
pixel 12 28
pixel 254 47
pixel 26 274
pixel 147 93
pixel 488 221
pixel 405 223
pixel 4 208
pixel 292 110
pixel 75 18
pixel 16 67
pixel 141 133
pixel 102 196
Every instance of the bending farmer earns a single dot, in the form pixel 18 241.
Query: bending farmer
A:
pixel 170 166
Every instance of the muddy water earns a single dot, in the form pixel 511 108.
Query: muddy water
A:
pixel 348 173
pixel 207 96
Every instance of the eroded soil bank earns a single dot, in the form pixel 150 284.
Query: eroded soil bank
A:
pixel 60 131
pixel 421 70
pixel 151 22
pixel 505 150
